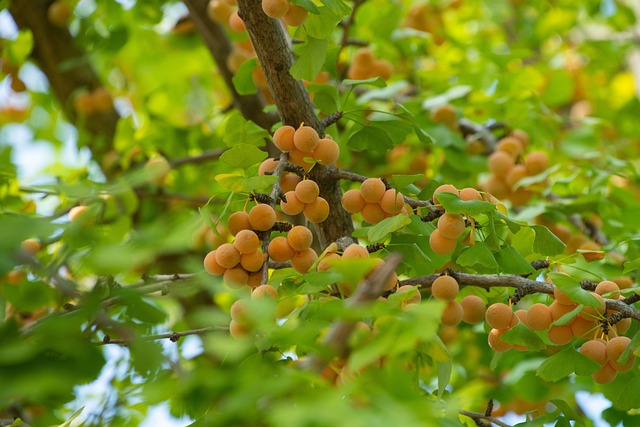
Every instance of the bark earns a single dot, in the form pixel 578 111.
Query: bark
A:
pixel 294 107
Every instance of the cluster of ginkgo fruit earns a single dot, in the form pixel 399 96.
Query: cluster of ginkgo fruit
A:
pixel 471 309
pixel 240 263
pixel 373 201
pixel 586 323
pixel 508 165
pixel 354 251
pixel 450 227
pixel 305 199
pixel 295 247
pixel 305 143
pixel 365 65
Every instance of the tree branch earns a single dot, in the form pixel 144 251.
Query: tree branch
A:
pixel 337 339
pixel 478 416
pixel 294 107
pixel 173 336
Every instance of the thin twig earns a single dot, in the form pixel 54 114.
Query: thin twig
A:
pixel 206 156
pixel 173 336
pixel 479 416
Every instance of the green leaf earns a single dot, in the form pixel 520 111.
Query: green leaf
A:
pixel 545 242
pixel 311 57
pixel 514 226
pixel 238 130
pixel 444 375
pixel 307 4
pixel 29 296
pixel 455 92
pixel 512 262
pixel 478 254
pixel 243 184
pixel 629 398
pixel 630 266
pixel 71 418
pixel 522 335
pixel 370 138
pixel 243 156
pixel 380 231
pixel 403 181
pixel 243 79
pixel 325 97
pixel 18 50
pixel 572 288
pixel 567 410
pixel 562 364
pixel 353 269
pixel 375 81
pixel 452 203
pixel 322 24
pixel 338 7
pixel 568 317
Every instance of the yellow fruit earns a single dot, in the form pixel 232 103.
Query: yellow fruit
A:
pixel 59 13
pixel 293 205
pixel 262 217
pixel 303 260
pixel 473 309
pixel 275 8
pixel 440 244
pixel 283 138
pixel 499 316
pixel 372 190
pixel 452 314
pixel 238 221
pixel 295 16
pixel 539 317
pixel 352 201
pixel 299 238
pixel 317 211
pixel 307 191
pixel 211 266
pixel 445 288
pixel 227 256
pixel 451 226
pixel 326 152
pixel 536 162
pixel 306 139
pixel 392 201
pixel 444 188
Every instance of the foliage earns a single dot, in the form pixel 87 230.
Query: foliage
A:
pixel 111 252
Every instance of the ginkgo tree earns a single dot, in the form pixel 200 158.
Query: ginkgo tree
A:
pixel 362 212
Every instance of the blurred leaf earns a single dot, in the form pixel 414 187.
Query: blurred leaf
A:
pixel 311 57
pixel 243 78
pixel 242 184
pixel 455 92
pixel 452 203
pixel 380 231
pixel 370 138
pixel 243 156
pixel 563 364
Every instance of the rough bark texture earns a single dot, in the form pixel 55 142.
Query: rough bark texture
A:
pixel 216 40
pixel 54 49
pixel 294 107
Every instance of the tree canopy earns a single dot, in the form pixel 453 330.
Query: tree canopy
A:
pixel 320 212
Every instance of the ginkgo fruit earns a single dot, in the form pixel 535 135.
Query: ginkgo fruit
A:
pixel 306 139
pixel 392 201
pixel 283 138
pixel 451 226
pixel 355 250
pixel 292 205
pixel 317 211
pixel 452 314
pixel 246 241
pixel 440 244
pixel 536 162
pixel 500 163
pixel 595 350
pixel 238 221
pixel 262 217
pixel 236 276
pixel 444 188
pixel 227 256
pixel 499 316
pixel 252 261
pixel 539 317
pixel 211 266
pixel 326 152
pixel 302 261
pixel 372 190
pixel 445 288
pixel 299 238
pixel 275 8
pixel 473 309
pixel 280 250
pixel 307 191
pixel 352 201
pixel 296 16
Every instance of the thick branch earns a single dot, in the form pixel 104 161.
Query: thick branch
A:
pixel 337 339
pixel 294 107
pixel 54 51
